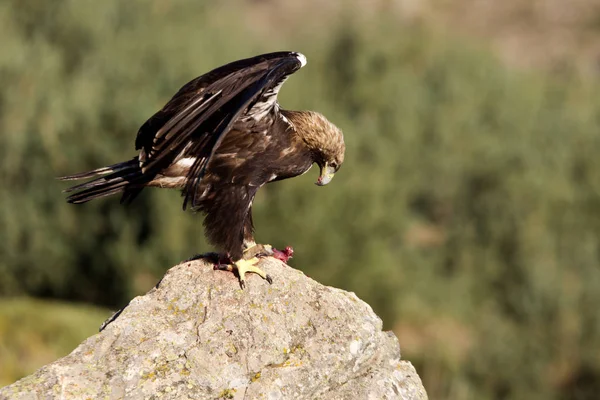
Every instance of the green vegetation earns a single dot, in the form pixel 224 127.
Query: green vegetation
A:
pixel 467 212
pixel 36 332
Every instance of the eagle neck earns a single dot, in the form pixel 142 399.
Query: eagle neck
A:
pixel 297 124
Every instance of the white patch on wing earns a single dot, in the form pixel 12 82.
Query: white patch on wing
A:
pixel 186 162
pixel 268 100
pixel 302 58
pixel 286 151
pixel 177 182
pixel 260 110
pixel 227 155
pixel 266 103
pixel 286 120
pixel 180 168
pixel 272 178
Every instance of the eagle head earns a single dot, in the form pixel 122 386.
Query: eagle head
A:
pixel 324 140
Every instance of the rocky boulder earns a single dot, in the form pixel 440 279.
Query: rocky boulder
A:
pixel 197 335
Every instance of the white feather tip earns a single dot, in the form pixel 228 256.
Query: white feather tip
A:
pixel 302 58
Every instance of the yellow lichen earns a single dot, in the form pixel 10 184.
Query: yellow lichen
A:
pixel 290 363
pixel 149 375
pixel 255 377
pixel 227 394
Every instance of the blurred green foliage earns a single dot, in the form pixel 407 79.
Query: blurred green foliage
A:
pixel 47 330
pixel 467 212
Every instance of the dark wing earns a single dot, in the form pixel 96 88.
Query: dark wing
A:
pixel 197 118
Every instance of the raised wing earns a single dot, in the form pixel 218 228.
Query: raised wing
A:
pixel 201 113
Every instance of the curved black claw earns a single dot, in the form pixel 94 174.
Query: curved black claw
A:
pixel 269 279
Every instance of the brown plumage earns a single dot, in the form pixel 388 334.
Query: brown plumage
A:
pixel 219 139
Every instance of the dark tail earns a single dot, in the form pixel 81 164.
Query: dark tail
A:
pixel 126 177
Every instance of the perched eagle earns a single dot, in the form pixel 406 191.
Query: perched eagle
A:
pixel 219 139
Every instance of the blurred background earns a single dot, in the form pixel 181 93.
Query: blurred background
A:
pixel 467 212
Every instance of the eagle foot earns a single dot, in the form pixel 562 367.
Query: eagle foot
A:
pixel 243 266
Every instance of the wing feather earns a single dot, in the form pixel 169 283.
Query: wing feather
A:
pixel 270 80
pixel 207 149
pixel 177 131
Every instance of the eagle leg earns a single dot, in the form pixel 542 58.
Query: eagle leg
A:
pixel 244 266
pixel 258 250
pixel 266 250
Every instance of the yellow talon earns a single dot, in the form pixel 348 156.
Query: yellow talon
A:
pixel 243 266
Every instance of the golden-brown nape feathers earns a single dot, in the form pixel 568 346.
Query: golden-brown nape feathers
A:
pixel 319 135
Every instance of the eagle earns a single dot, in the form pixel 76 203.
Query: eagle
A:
pixel 219 139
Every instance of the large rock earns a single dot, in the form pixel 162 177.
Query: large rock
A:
pixel 197 335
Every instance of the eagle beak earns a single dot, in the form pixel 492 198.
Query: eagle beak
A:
pixel 326 176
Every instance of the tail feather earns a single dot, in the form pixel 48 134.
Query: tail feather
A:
pixel 113 178
pixel 100 171
pixel 86 196
pixel 122 177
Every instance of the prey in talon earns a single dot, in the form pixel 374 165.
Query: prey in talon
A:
pixel 266 250
pixel 220 139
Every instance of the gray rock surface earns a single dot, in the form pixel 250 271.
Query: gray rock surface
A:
pixel 199 336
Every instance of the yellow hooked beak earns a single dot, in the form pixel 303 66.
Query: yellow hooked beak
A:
pixel 327 173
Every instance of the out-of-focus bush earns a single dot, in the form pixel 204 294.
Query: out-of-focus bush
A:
pixel 47 330
pixel 467 212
